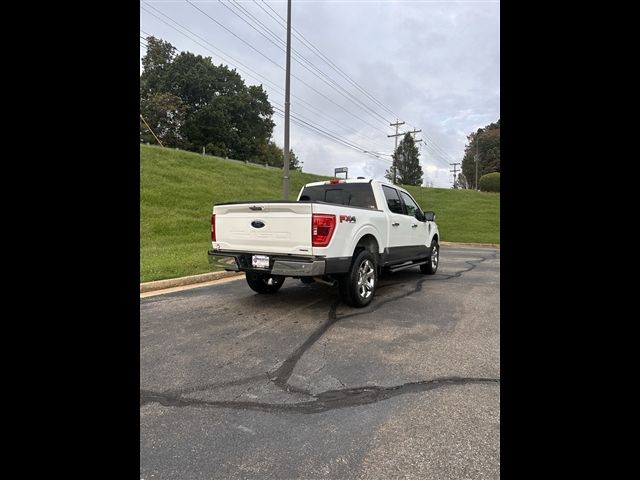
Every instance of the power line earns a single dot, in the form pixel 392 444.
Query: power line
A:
pixel 303 61
pixel 248 14
pixel 324 58
pixel 311 124
pixel 436 147
pixel 440 149
pixel 436 153
pixel 434 159
pixel 276 64
pixel 257 76
pixel 437 156
pixel 331 135
pixel 337 85
pixel 315 50
pixel 228 30
pixel 431 149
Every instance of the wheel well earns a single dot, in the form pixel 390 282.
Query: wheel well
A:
pixel 368 242
pixel 435 237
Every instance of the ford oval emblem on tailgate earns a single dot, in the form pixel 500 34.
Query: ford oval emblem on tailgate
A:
pixel 257 224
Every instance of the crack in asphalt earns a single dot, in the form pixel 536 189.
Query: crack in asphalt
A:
pixel 432 278
pixel 327 400
pixel 282 374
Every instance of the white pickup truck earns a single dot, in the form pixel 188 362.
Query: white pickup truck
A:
pixel 338 232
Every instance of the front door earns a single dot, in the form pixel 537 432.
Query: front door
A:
pixel 400 235
pixel 419 235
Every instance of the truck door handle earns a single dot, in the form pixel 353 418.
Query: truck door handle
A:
pixel 395 224
pixel 415 225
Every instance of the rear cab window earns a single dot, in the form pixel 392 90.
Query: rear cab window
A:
pixel 350 194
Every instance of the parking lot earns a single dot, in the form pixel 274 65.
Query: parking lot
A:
pixel 298 385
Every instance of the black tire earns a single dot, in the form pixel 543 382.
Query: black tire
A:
pixel 358 287
pixel 263 282
pixel 433 261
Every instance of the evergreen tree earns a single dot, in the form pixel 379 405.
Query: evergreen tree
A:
pixel 406 164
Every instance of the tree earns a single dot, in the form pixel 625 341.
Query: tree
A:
pixel 165 115
pixel 461 181
pixel 273 155
pixel 406 164
pixel 486 143
pixel 270 154
pixel 196 103
pixel 159 56
pixel 294 163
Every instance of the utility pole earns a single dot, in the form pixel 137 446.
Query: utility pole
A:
pixel 454 173
pixel 397 124
pixel 287 92
pixel 477 142
pixel 413 133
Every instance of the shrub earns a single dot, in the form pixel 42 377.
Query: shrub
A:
pixel 490 182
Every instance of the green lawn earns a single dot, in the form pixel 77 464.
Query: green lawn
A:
pixel 178 190
pixel 462 215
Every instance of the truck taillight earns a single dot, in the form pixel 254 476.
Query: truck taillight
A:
pixel 213 227
pixel 322 227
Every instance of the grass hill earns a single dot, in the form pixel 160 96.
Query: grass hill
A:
pixel 178 190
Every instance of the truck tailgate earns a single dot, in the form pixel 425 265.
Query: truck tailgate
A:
pixel 283 228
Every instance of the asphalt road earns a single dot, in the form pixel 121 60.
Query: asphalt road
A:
pixel 298 385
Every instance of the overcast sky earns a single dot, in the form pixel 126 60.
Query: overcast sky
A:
pixel 434 64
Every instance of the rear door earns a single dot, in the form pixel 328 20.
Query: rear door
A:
pixel 277 228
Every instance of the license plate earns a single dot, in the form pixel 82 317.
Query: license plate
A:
pixel 260 261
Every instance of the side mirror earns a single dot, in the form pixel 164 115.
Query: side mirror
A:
pixel 430 216
pixel 420 216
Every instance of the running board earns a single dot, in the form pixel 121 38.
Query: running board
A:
pixel 409 265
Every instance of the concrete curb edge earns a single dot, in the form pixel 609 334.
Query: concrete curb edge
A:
pixel 458 244
pixel 181 281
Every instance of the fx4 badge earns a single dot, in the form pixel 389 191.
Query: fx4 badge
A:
pixel 347 218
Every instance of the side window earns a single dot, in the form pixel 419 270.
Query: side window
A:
pixel 412 208
pixel 393 200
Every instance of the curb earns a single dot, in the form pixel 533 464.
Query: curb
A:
pixel 208 277
pixel 458 244
pixel 181 281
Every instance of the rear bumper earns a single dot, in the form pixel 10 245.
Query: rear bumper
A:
pixel 278 265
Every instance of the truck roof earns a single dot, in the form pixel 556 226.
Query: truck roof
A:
pixel 351 180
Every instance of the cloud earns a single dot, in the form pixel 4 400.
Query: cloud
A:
pixel 436 65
